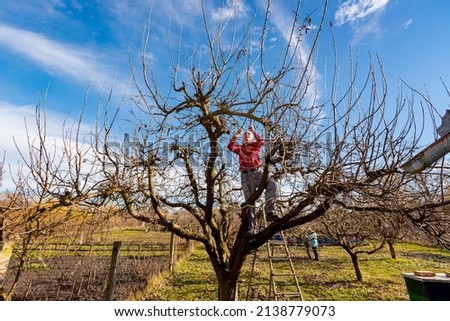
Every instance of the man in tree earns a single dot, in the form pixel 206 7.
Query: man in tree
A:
pixel 251 175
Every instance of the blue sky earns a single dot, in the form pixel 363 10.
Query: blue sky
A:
pixel 53 49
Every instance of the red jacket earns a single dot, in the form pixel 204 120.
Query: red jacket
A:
pixel 249 157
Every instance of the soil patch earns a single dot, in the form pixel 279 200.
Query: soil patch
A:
pixel 81 278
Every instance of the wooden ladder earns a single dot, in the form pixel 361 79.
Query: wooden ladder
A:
pixel 283 284
pixel 283 280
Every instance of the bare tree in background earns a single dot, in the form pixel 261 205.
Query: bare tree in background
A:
pixel 53 192
pixel 394 229
pixel 357 233
pixel 337 149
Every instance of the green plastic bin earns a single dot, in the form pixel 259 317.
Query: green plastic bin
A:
pixel 426 288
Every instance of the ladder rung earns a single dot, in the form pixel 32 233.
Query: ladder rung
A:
pixel 288 294
pixel 280 258
pixel 276 242
pixel 275 256
pixel 284 274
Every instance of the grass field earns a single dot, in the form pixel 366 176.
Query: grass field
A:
pixel 135 241
pixel 331 278
pixel 137 235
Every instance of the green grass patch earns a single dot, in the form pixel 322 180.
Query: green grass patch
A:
pixel 331 278
pixel 135 235
pixel 135 242
pixel 193 280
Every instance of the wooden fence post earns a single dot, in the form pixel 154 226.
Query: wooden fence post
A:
pixel 109 294
pixel 173 250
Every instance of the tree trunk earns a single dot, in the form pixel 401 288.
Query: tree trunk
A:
pixel 392 249
pixel 355 262
pixel 228 275
pixel 227 288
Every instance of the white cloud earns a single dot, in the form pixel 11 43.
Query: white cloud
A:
pixel 363 16
pixel 15 122
pixel 283 25
pixel 233 8
pixel 74 63
pixel 12 130
pixel 278 16
pixel 408 23
pixel 352 11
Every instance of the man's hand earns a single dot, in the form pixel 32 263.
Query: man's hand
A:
pixel 239 132
pixel 251 128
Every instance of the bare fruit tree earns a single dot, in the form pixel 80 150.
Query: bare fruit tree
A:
pixel 356 232
pixel 338 148
pixel 53 192
pixel 324 151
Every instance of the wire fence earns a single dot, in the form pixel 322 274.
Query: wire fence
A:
pixel 72 272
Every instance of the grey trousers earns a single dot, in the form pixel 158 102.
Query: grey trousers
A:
pixel 250 181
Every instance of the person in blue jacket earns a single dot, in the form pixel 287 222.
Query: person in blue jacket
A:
pixel 313 243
